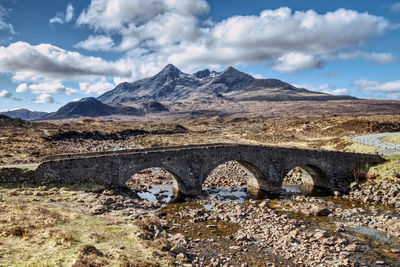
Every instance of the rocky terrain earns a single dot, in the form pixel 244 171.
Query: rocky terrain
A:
pixel 28 142
pixel 206 231
pixel 89 225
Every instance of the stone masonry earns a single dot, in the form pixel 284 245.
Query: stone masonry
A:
pixel 190 165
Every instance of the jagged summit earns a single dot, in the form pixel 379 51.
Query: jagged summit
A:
pixel 205 74
pixel 202 73
pixel 232 79
pixel 171 68
pixel 171 84
pixel 231 69
pixel 232 72
pixel 171 71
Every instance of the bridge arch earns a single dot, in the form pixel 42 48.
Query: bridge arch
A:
pixel 179 188
pixel 253 175
pixel 311 175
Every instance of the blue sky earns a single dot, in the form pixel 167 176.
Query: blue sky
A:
pixel 58 51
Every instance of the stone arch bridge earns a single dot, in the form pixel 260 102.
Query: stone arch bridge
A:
pixel 190 165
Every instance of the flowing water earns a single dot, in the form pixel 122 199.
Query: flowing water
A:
pixel 164 193
pixel 375 246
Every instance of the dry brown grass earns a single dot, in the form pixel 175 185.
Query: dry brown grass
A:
pixel 29 144
pixel 35 233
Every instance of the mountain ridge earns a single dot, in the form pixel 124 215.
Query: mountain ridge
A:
pixel 91 107
pixel 24 114
pixel 88 107
pixel 171 84
pixel 203 93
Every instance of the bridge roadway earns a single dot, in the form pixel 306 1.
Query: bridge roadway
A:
pixel 190 165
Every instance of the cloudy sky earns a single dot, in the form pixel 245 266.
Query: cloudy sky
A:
pixel 56 51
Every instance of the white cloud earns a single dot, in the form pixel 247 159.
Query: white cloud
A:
pixel 392 87
pixel 96 43
pixel 294 62
pixel 62 17
pixel 97 88
pixel 69 13
pixel 303 37
pixel 156 32
pixel 44 99
pixel 117 15
pixel 376 58
pixel 338 91
pixel 58 18
pixel 257 75
pixel 290 41
pixel 44 61
pixel 325 88
pixel 5 94
pixel 45 88
pixel 22 88
pixel 395 7
pixel 4 25
pixel 147 24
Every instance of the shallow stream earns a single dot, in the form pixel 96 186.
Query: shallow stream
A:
pixel 375 246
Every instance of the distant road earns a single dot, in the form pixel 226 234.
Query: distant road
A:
pixel 376 141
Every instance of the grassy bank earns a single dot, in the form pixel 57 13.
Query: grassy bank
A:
pixel 34 234
pixel 395 139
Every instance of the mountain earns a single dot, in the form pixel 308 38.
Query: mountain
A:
pixel 24 114
pixel 89 107
pixel 171 84
pixel 204 93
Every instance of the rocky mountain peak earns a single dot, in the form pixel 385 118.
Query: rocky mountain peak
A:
pixel 233 79
pixel 171 84
pixel 171 71
pixel 231 71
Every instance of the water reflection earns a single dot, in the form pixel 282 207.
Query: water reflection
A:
pixel 158 193
pixel 306 189
pixel 225 194
pixel 164 193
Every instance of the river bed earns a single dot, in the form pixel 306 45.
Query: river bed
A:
pixel 375 248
